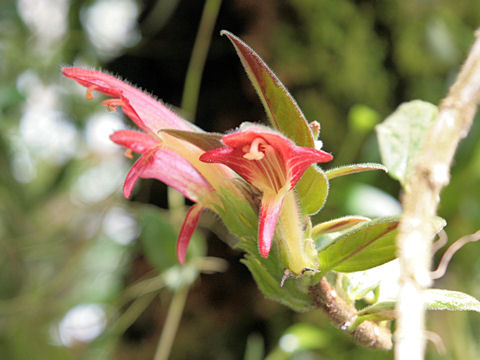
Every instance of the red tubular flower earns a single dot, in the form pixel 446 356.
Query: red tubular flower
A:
pixel 149 114
pixel 172 161
pixel 158 162
pixel 271 163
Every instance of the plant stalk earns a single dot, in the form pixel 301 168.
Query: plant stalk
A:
pixel 420 201
pixel 172 322
pixel 198 58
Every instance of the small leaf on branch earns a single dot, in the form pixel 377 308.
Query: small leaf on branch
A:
pixel 352 169
pixel 435 299
pixel 380 311
pixel 365 246
pixel 312 190
pixel 401 136
pixel 203 140
pixel 335 225
pixel 438 299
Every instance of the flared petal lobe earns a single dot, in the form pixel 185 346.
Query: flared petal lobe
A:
pixel 269 211
pixel 136 141
pixel 300 158
pixel 171 169
pixel 150 115
pixel 267 160
pixel 186 232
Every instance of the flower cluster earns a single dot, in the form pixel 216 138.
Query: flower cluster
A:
pixel 266 160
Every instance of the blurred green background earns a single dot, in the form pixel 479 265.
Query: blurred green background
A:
pixel 86 274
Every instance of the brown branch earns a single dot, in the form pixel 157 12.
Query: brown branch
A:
pixel 421 199
pixel 343 315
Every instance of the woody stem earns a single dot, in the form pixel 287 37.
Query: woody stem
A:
pixel 343 315
pixel 420 201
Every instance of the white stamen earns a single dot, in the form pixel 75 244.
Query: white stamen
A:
pixel 253 152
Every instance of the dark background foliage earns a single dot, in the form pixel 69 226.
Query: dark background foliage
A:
pixel 349 64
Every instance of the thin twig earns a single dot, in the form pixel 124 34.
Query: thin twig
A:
pixel 452 249
pixel 441 242
pixel 420 201
pixel 437 341
pixel 175 311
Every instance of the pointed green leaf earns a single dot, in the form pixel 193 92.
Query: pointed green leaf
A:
pixel 438 299
pixel 401 136
pixel 365 246
pixel 312 190
pixel 380 311
pixel 435 299
pixel 335 225
pixel 282 110
pixel 205 141
pixel 352 169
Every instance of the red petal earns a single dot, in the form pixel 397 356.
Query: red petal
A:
pixel 136 172
pixel 301 158
pixel 170 168
pixel 147 113
pixel 269 211
pixel 230 157
pixel 134 140
pixel 186 232
pixel 293 159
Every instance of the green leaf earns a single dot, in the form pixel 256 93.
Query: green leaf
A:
pixel 402 134
pixel 435 299
pixel 353 168
pixel 380 311
pixel 340 224
pixel 282 110
pixel 438 299
pixel 312 190
pixel 205 141
pixel 365 246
